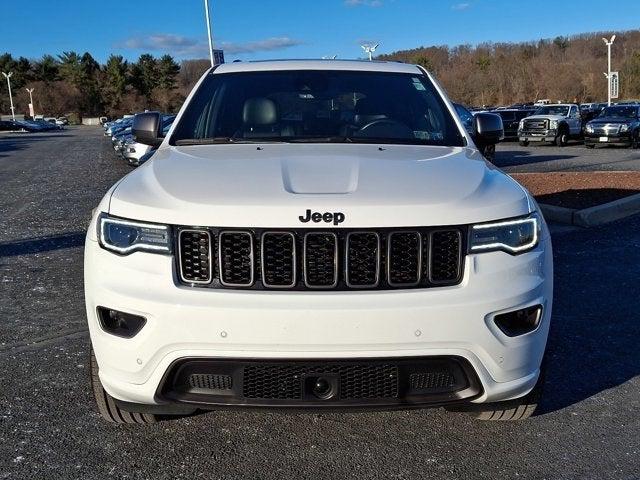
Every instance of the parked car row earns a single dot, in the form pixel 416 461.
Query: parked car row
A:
pixel 557 124
pixel 38 125
pixel 124 143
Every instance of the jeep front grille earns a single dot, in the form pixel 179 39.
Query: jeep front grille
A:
pixel 307 259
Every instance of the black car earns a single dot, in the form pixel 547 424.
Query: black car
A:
pixel 615 125
pixel 511 119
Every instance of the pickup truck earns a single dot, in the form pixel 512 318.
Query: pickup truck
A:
pixel 555 124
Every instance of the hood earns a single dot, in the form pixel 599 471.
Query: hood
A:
pixel 272 185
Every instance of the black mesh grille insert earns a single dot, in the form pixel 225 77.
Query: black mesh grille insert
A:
pixel 432 380
pixel 208 381
pixel 404 258
pixel 278 259
pixel 446 256
pixel 286 381
pixel 320 260
pixel 236 258
pixel 363 259
pixel 195 256
pixel 305 259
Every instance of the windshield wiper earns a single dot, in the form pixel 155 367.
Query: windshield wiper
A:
pixel 213 141
pixel 336 139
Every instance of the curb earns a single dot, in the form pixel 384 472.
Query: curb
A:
pixel 593 216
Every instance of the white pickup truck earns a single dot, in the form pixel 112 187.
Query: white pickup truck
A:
pixel 556 124
pixel 317 235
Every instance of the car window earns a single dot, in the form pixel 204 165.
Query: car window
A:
pixel 316 105
pixel 619 112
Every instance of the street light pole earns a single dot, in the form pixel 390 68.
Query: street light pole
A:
pixel 8 76
pixel 609 43
pixel 206 12
pixel 33 107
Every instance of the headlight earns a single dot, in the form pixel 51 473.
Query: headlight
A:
pixel 624 128
pixel 589 128
pixel 553 124
pixel 125 236
pixel 521 124
pixel 512 236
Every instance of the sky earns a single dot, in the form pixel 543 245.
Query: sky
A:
pixel 263 29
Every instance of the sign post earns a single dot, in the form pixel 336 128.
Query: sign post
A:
pixel 614 79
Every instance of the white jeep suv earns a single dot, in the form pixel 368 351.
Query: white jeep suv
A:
pixel 317 234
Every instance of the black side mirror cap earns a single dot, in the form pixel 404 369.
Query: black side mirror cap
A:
pixel 147 128
pixel 488 129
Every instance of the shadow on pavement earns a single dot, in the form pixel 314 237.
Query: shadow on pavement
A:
pixel 19 141
pixel 512 158
pixel 593 344
pixel 42 244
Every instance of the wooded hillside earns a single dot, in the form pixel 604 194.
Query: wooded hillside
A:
pixel 564 68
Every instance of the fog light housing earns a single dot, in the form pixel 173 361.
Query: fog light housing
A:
pixel 519 322
pixel 120 324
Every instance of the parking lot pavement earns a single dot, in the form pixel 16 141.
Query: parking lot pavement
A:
pixel 575 157
pixel 589 427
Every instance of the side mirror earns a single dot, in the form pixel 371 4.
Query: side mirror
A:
pixel 147 128
pixel 488 129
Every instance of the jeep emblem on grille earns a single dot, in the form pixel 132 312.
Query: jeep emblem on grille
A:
pixel 316 217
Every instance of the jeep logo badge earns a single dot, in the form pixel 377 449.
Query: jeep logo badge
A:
pixel 316 217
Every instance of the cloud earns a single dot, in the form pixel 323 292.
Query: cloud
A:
pixel 363 3
pixel 461 6
pixel 181 46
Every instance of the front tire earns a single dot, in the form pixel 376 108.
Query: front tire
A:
pixel 524 143
pixel 510 410
pixel 563 138
pixel 107 407
pixel 635 139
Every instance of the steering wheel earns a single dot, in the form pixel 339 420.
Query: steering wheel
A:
pixel 385 127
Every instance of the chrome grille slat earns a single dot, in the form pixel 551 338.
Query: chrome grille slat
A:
pixel 196 256
pixel 404 259
pixel 236 258
pixel 320 254
pixel 362 260
pixel 278 259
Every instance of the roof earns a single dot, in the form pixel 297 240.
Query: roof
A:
pixel 357 65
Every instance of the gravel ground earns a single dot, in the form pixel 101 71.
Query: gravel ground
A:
pixel 589 426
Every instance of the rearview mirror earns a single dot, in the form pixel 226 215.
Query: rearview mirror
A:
pixel 488 129
pixel 147 128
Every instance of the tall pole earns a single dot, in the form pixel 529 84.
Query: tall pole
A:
pixel 33 107
pixel 8 76
pixel 609 43
pixel 206 12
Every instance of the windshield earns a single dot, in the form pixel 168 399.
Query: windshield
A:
pixel 619 112
pixel 317 106
pixel 560 110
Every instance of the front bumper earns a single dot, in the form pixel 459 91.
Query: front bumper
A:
pixel 609 139
pixel 186 323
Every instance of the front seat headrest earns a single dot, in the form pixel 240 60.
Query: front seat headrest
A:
pixel 259 111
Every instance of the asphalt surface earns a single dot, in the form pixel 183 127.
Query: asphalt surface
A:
pixel 575 157
pixel 589 427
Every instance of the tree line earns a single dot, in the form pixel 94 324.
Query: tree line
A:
pixel 563 68
pixel 71 83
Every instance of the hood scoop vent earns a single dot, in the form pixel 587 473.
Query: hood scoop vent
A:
pixel 337 176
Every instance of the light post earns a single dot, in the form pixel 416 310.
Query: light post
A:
pixel 8 76
pixel 33 108
pixel 206 13
pixel 609 43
